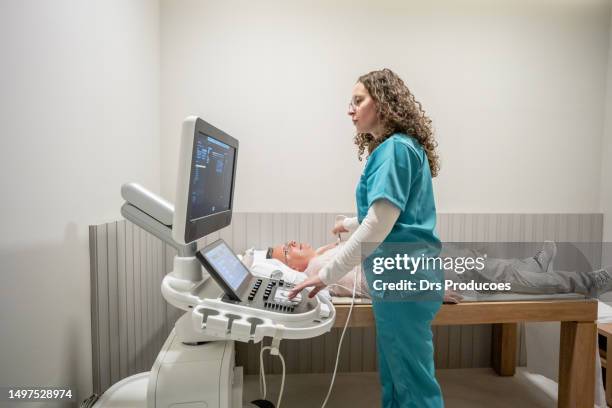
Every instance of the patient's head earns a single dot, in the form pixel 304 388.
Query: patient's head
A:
pixel 295 255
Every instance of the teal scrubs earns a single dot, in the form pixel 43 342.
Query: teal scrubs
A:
pixel 398 171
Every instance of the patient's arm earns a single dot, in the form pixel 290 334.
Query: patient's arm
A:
pixel 451 296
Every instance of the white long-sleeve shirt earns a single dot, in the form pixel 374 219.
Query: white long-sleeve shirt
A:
pixel 374 228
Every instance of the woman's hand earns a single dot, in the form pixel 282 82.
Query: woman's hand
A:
pixel 312 281
pixel 339 226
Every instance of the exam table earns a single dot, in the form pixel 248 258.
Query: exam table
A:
pixel 577 317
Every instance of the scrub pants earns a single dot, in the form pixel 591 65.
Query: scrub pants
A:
pixel 405 354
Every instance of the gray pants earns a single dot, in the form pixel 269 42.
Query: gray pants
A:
pixel 524 275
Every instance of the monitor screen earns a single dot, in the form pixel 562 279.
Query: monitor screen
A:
pixel 225 267
pixel 210 190
pixel 205 183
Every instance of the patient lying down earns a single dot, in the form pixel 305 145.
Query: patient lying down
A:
pixel 532 275
pixel 303 257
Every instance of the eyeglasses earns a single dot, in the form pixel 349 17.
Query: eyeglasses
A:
pixel 354 105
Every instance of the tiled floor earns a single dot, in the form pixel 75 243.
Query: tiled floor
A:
pixel 462 388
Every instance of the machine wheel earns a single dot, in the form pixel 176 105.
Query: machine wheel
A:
pixel 262 404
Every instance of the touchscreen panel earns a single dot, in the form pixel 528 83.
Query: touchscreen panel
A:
pixel 227 265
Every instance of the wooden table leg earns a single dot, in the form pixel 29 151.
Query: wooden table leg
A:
pixel 577 365
pixel 608 374
pixel 503 348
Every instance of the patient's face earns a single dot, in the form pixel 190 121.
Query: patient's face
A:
pixel 298 254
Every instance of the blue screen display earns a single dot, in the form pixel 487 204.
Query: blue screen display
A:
pixel 227 265
pixel 210 191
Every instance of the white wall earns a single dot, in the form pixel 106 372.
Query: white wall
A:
pixel 514 88
pixel 79 115
pixel 606 164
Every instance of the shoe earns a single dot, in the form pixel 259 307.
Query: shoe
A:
pixel 544 257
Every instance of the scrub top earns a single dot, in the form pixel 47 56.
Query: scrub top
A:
pixel 398 171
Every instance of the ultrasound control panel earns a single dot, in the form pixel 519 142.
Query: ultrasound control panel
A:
pixel 272 294
pixel 242 287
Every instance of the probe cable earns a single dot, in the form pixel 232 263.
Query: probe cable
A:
pixel 262 373
pixel 262 377
pixel 348 318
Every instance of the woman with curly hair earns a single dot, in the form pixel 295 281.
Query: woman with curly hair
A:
pixel 395 205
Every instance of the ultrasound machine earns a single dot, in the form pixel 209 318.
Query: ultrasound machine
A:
pixel 196 365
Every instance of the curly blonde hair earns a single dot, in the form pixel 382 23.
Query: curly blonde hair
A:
pixel 398 111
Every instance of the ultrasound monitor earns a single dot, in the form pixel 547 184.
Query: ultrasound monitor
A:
pixel 205 184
